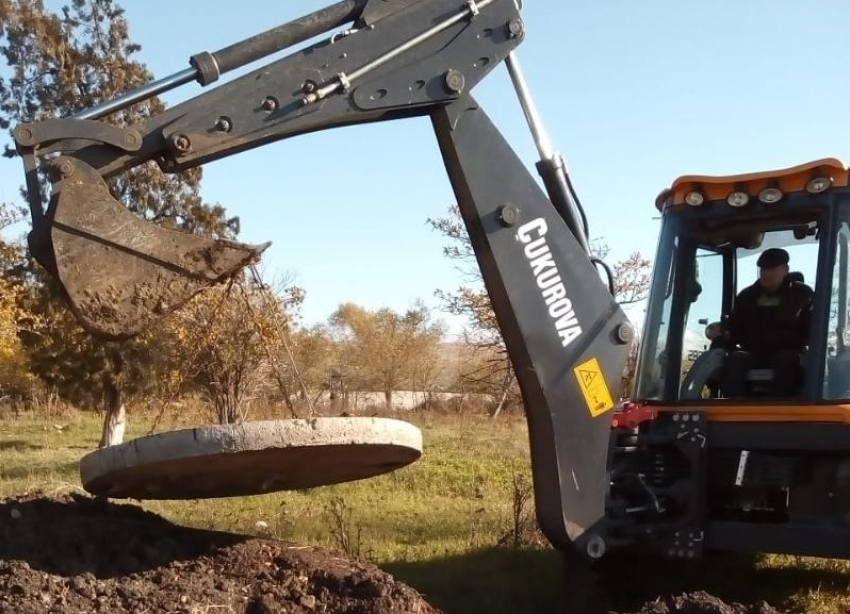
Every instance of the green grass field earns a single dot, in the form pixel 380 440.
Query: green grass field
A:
pixel 443 525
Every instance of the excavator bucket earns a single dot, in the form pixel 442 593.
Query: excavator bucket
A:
pixel 119 272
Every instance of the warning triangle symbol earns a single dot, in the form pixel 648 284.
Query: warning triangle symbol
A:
pixel 587 377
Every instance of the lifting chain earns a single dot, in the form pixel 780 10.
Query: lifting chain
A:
pixel 206 339
pixel 282 336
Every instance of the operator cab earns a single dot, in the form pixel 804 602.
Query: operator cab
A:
pixel 732 455
pixel 714 231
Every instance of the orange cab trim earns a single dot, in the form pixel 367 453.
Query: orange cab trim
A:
pixel 770 413
pixel 789 180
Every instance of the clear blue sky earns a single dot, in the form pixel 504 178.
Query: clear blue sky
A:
pixel 634 93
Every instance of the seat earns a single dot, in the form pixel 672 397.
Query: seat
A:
pixel 707 367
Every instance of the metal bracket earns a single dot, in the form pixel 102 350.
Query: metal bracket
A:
pixel 344 82
pixel 473 9
pixel 686 543
pixel 345 33
pixel 690 432
pixel 480 48
pixel 52 130
pixel 742 467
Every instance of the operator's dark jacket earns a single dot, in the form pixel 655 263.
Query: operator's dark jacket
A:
pixel 768 322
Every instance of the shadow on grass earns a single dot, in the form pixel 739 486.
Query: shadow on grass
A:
pixel 26 472
pixel 18 444
pixel 630 582
pixel 504 581
pixel 492 581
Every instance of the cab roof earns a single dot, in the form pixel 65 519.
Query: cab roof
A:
pixel 793 179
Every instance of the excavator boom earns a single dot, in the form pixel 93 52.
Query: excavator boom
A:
pixel 565 334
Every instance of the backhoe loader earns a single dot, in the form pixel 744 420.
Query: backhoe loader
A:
pixel 684 466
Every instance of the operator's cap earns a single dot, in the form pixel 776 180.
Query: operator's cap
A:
pixel 773 257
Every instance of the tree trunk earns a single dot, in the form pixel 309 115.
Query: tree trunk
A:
pixel 227 409
pixel 388 394
pixel 506 387
pixel 115 421
pixel 220 410
pixel 501 404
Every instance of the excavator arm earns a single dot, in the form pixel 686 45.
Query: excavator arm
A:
pixel 565 334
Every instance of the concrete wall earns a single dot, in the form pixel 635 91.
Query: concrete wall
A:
pixel 402 399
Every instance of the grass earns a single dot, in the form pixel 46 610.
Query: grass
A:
pixel 436 525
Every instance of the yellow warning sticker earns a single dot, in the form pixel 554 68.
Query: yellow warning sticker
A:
pixel 592 384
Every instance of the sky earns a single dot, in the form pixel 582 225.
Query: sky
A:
pixel 633 93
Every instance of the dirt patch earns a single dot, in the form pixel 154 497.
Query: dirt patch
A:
pixel 77 554
pixel 703 603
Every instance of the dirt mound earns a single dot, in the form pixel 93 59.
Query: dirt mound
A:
pixel 77 554
pixel 703 603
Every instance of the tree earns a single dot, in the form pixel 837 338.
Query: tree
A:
pixel 490 367
pixel 631 275
pixel 383 350
pixel 15 376
pixel 315 355
pixel 59 63
pixel 229 345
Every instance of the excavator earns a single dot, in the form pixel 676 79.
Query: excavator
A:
pixel 680 469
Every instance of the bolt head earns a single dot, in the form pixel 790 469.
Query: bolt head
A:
pixel 270 104
pixel 596 547
pixel 455 81
pixel 66 167
pixel 516 28
pixel 223 124
pixel 509 215
pixel 625 333
pixel 24 135
pixel 182 143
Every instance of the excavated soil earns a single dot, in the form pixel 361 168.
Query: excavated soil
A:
pixel 703 603
pixel 75 554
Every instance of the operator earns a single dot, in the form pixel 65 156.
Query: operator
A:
pixel 769 328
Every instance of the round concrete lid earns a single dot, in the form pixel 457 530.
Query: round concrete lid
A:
pixel 251 458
